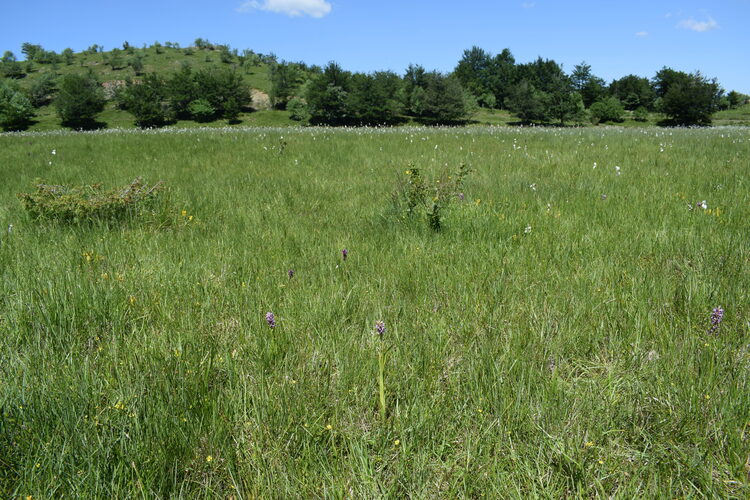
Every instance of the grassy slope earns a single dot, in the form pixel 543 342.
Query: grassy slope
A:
pixel 170 59
pixel 570 360
pixel 166 63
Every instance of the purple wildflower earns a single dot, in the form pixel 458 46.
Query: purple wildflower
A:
pixel 270 320
pixel 460 197
pixel 344 253
pixel 290 273
pixel 717 315
pixel 380 327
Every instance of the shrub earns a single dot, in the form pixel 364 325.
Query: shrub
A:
pixel 231 110
pixel 16 111
pixel 418 196
pixel 640 114
pixel 608 109
pixel 80 99
pixel 147 101
pixel 298 109
pixel 89 203
pixel 201 110
pixel 42 89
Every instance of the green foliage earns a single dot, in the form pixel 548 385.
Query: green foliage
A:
pixel 373 100
pixel 91 203
pixel 201 110
pixel 633 92
pixel 68 56
pixel 115 59
pixel 79 100
pixel 484 75
pixel 10 67
pixel 147 101
pixel 442 100
pixel 42 90
pixel 231 110
pixel 487 100
pixel 591 88
pixel 16 111
pixel 202 43
pixel 737 99
pixel 419 197
pixel 31 50
pixel 297 108
pixel 640 114
pixel 528 103
pixel 327 94
pixel 572 360
pixel 136 62
pixel 608 109
pixel 285 80
pixel 687 99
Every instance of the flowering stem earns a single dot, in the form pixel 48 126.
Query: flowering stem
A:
pixel 381 382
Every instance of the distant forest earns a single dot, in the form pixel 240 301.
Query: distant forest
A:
pixel 79 86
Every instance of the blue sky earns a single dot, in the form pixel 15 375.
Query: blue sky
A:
pixel 615 37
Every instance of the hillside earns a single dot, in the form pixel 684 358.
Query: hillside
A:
pixel 376 99
pixel 163 60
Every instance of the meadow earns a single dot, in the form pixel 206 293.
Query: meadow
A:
pixel 553 339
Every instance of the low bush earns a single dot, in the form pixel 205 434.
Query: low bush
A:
pixel 90 203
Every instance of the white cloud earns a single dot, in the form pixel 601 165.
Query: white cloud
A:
pixel 700 26
pixel 528 5
pixel 642 34
pixel 291 8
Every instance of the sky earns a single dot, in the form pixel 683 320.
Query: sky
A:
pixel 616 38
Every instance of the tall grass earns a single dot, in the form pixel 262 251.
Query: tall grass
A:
pixel 551 340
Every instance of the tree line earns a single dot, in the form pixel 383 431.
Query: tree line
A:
pixel 538 92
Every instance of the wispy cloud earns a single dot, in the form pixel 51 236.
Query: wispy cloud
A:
pixel 699 26
pixel 528 5
pixel 291 8
pixel 641 34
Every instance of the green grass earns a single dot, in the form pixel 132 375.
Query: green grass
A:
pixel 737 116
pixel 572 358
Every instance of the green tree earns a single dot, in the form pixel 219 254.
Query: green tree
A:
pixel 10 67
pixel 736 99
pixel 136 62
pixel 16 111
pixel 591 87
pixel 608 109
pixel 68 56
pixel 527 102
pixel 147 101
pixel 633 91
pixel 42 90
pixel 30 50
pixel 443 101
pixel 483 74
pixel 115 59
pixel 285 80
pixel 201 110
pixel 473 70
pixel 231 110
pixel 182 90
pixel 327 96
pixel 298 109
pixel 79 100
pixel 690 99
pixel 373 99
